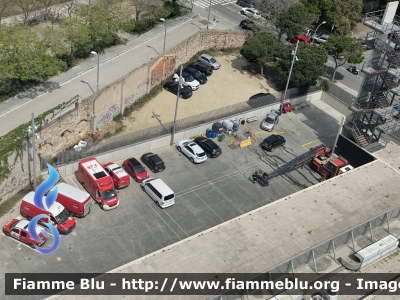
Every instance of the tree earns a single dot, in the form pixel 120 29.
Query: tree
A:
pixel 294 20
pixel 142 6
pixel 263 47
pixel 28 8
pixel 3 6
pixel 346 15
pixel 47 4
pixel 26 60
pixel 70 6
pixel 307 69
pixel 77 35
pixel 344 49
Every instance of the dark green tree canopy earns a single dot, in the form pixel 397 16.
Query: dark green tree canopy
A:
pixel 307 69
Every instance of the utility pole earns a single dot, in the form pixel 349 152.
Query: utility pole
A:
pixel 33 152
pixel 290 74
pixel 176 106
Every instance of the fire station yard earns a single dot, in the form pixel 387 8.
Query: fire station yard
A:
pixel 207 195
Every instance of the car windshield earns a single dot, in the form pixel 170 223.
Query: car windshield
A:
pixel 138 168
pixel 189 78
pixel 269 120
pixel 200 154
pixel 197 73
pixel 62 217
pixel 213 60
pixel 109 194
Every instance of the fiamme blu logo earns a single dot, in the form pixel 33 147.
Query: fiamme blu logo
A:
pixel 45 203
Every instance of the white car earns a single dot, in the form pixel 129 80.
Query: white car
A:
pixel 192 151
pixel 250 12
pixel 188 80
pixel 269 122
pixel 320 39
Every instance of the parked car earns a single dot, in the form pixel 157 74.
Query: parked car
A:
pixel 192 151
pixel 249 59
pixel 272 142
pixel 188 80
pixel 301 38
pixel 200 77
pixel 153 162
pixel 161 193
pixel 202 67
pixel 320 39
pixel 269 122
pixel 18 229
pixel 247 25
pixel 185 92
pixel 250 12
pixel 135 169
pixel 120 177
pixel 209 147
pixel 245 3
pixel 368 44
pixel 208 59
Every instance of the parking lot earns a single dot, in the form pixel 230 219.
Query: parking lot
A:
pixel 207 194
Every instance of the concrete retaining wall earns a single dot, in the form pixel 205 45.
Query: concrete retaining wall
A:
pixel 151 145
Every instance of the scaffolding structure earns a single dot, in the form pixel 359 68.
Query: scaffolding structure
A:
pixel 373 111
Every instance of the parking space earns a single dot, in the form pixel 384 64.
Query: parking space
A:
pixel 207 194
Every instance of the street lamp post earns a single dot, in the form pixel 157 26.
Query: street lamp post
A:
pixel 290 74
pixel 98 67
pixel 209 10
pixel 315 32
pixel 176 106
pixel 165 32
pixel 31 130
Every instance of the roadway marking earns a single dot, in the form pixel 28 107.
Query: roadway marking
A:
pixel 73 182
pixel 228 3
pixel 209 206
pixel 176 223
pixel 164 220
pixel 317 140
pixel 346 87
pixel 215 24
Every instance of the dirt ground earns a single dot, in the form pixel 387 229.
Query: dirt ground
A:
pixel 234 82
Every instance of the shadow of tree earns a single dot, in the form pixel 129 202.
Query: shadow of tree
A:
pixel 329 72
pixel 41 88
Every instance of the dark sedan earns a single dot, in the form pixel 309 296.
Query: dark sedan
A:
pixel 202 67
pixel 184 92
pixel 153 162
pixel 210 148
pixel 272 142
pixel 200 77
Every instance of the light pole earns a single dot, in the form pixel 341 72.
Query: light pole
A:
pixel 315 32
pixel 176 106
pixel 165 32
pixel 98 67
pixel 290 74
pixel 209 10
pixel 31 130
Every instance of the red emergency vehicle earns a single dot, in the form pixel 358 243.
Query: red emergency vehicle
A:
pixel 98 183
pixel 120 177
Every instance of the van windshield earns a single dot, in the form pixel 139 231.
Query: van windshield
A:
pixel 109 194
pixel 62 217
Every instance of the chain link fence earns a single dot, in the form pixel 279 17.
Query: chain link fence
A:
pixel 124 140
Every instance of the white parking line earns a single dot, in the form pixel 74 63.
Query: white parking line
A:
pixel 73 182
pixel 347 88
pixel 175 222
pixel 209 206
pixel 164 220
pixel 19 243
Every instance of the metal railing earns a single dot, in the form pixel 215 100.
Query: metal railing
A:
pixel 327 247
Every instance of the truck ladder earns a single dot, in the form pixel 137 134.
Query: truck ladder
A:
pixel 296 162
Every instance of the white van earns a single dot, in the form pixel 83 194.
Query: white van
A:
pixel 158 191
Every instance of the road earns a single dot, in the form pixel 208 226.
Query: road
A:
pixel 118 61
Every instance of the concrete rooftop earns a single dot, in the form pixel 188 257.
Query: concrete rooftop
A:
pixel 271 234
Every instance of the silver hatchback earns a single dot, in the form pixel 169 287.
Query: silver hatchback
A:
pixel 269 122
pixel 208 59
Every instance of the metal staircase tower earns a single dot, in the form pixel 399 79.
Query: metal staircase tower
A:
pixel 373 111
